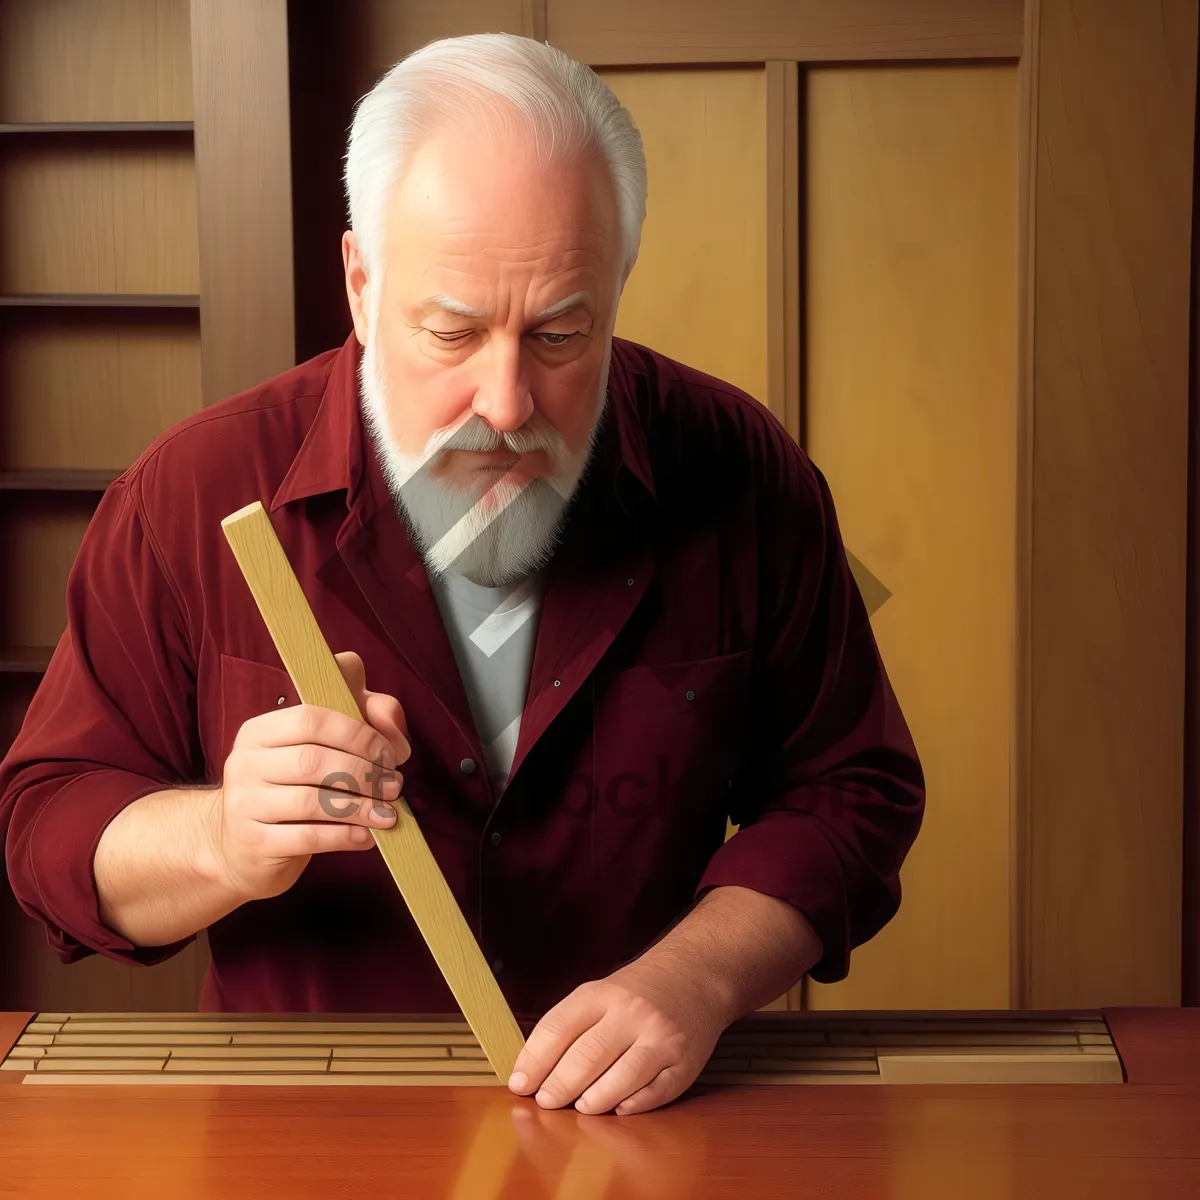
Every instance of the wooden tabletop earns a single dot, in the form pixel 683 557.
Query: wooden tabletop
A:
pixel 978 1142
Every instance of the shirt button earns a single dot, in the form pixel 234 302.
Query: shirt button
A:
pixel 495 839
pixel 467 766
pixel 281 700
pixel 629 583
pixel 690 694
pixel 558 683
pixel 497 965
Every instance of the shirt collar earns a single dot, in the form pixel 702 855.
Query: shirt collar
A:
pixel 337 454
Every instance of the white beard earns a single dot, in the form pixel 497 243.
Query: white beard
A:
pixel 495 533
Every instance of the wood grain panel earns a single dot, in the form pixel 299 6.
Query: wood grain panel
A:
pixel 708 31
pixel 95 60
pixel 92 390
pixel 910 413
pixel 244 171
pixel 699 290
pixel 78 215
pixel 1104 610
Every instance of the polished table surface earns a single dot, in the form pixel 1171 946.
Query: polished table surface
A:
pixel 1130 1139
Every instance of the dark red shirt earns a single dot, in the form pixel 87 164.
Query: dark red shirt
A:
pixel 702 650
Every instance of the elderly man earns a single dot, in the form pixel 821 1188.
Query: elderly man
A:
pixel 600 599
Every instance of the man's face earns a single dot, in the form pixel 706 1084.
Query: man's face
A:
pixel 487 343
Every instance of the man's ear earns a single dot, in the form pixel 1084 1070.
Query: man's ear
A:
pixel 358 288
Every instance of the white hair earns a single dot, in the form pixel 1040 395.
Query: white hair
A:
pixel 565 105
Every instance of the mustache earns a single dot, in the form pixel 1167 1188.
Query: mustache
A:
pixel 477 434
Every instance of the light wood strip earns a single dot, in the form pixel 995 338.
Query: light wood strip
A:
pixel 205 1025
pixel 447 1067
pixel 142 1066
pixel 142 1052
pixel 1095 1039
pixel 52 1018
pixel 351 1039
pixel 16 1064
pixel 998 1068
pixel 285 1066
pixel 426 1054
pixel 35 1039
pixel 43 1027
pixel 466 1052
pixel 316 1053
pixel 67 1038
pixel 29 1052
pixel 318 680
pixel 226 1080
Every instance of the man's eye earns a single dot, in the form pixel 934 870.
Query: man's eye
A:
pixel 555 339
pixel 454 336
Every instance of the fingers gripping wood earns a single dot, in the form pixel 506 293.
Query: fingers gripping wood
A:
pixel 318 680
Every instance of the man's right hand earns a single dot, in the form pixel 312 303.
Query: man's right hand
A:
pixel 305 780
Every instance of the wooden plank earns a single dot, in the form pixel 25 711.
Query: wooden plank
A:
pixel 243 181
pixel 315 673
pixel 1107 469
pixel 67 1038
pixel 998 1068
pixel 203 1025
pixel 35 1039
pixel 352 1039
pixel 628 32
pixel 428 1054
pixel 449 1066
pixel 25 1053
pixel 76 1052
pixel 138 1065
pixel 241 1053
pixel 286 1066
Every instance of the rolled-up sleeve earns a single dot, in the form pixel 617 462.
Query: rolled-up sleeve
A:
pixel 831 794
pixel 112 720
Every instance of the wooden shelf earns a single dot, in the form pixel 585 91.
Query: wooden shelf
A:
pixel 96 127
pixel 25 660
pixel 97 300
pixel 57 479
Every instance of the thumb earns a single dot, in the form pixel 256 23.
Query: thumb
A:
pixel 382 712
pixel 355 675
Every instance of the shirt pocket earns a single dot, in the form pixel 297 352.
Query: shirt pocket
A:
pixel 248 689
pixel 667 737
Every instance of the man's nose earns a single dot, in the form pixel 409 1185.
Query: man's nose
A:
pixel 503 397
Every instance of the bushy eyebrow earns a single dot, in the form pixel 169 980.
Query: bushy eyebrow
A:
pixel 459 309
pixel 450 305
pixel 563 306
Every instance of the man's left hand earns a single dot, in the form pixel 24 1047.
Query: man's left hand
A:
pixel 631 1041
